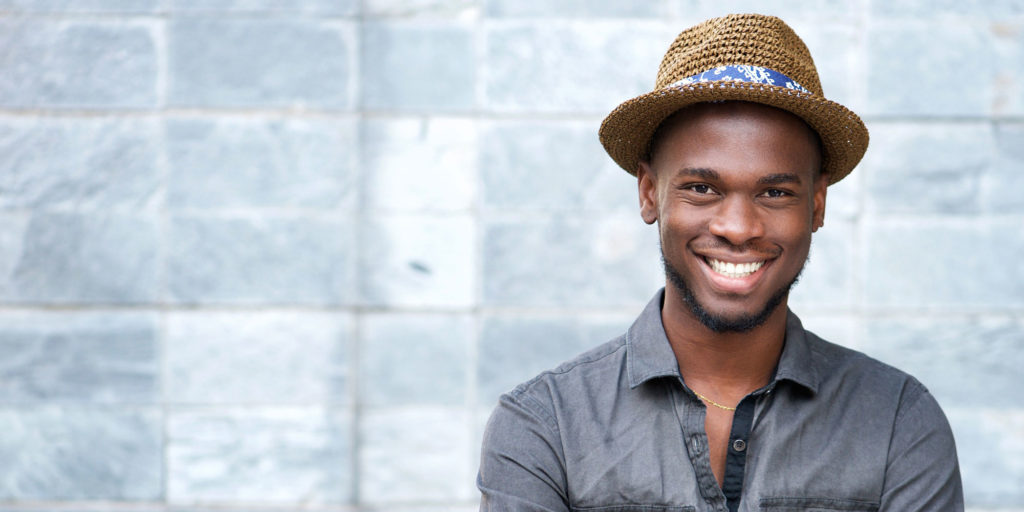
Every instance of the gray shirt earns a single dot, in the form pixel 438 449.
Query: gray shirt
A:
pixel 616 429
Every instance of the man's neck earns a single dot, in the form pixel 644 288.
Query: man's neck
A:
pixel 728 365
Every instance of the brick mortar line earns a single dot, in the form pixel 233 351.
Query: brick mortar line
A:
pixel 482 114
pixel 163 15
pixel 626 312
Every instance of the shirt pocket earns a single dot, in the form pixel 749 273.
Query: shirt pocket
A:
pixel 788 504
pixel 635 508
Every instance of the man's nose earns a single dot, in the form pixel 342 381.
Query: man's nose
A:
pixel 737 220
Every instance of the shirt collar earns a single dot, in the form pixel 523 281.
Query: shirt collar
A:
pixel 649 354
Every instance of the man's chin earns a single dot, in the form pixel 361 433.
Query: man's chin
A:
pixel 724 323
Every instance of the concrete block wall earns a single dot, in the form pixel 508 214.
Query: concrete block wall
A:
pixel 261 254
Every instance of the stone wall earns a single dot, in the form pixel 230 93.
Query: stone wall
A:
pixel 286 254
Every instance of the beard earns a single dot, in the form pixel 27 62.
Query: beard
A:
pixel 720 323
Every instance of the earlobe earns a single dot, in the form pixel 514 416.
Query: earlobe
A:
pixel 648 193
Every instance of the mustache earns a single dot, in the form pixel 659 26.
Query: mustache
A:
pixel 747 249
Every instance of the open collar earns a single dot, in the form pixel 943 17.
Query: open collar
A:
pixel 649 354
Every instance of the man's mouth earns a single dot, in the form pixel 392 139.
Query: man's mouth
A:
pixel 734 270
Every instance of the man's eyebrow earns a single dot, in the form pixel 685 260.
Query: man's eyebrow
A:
pixel 779 179
pixel 700 172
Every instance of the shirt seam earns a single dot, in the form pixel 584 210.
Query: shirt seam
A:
pixel 918 391
pixel 537 409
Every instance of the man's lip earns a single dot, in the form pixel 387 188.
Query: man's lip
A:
pixel 736 260
pixel 735 284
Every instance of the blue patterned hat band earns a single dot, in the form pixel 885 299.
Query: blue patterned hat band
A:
pixel 743 73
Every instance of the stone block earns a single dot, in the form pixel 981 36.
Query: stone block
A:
pixel 67 258
pixel 839 328
pixel 260 260
pixel 99 357
pixel 927 167
pixel 971 361
pixel 414 164
pixel 574 8
pixel 953 9
pixel 792 12
pixel 911 66
pixel 450 9
pixel 570 67
pixel 516 347
pixel 277 7
pixel 260 62
pixel 80 6
pixel 415 455
pixel 415 359
pixel 828 277
pixel 285 456
pixel 77 63
pixel 1009 46
pixel 79 163
pixel 409 260
pixel 262 163
pixel 955 264
pixel 990 448
pixel 282 358
pixel 80 454
pixel 1001 185
pixel 610 260
pixel 551 165
pixel 418 66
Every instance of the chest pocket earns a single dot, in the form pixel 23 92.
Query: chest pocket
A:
pixel 635 508
pixel 777 504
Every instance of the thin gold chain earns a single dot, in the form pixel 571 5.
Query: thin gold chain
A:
pixel 714 403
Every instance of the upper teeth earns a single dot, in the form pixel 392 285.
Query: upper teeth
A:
pixel 734 269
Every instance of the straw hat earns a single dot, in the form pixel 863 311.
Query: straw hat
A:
pixel 745 57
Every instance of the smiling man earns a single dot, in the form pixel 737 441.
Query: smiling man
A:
pixel 717 398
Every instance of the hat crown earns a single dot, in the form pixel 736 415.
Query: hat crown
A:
pixel 739 39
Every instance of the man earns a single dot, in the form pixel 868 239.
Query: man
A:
pixel 716 398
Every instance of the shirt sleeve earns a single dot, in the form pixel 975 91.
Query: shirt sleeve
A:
pixel 922 472
pixel 521 461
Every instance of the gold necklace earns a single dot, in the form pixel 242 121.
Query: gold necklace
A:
pixel 714 403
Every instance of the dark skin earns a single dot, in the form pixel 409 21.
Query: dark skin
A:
pixel 732 183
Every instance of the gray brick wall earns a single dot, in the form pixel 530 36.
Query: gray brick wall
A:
pixel 286 254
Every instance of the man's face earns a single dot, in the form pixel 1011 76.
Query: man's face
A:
pixel 734 191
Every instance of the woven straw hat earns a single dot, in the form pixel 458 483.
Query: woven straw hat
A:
pixel 744 57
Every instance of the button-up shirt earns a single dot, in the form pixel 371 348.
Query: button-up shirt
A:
pixel 617 429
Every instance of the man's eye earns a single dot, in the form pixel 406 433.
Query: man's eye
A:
pixel 774 192
pixel 700 188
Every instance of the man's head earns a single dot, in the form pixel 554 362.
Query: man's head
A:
pixel 734 150
pixel 736 189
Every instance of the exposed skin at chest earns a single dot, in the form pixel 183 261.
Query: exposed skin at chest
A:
pixel 718 425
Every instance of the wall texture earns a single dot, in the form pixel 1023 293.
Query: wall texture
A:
pixel 286 254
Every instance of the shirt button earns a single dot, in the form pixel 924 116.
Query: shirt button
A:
pixel 739 445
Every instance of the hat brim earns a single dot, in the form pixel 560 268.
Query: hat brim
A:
pixel 627 131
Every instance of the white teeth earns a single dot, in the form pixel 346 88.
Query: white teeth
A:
pixel 734 269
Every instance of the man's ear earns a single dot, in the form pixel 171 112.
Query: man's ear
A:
pixel 647 187
pixel 820 191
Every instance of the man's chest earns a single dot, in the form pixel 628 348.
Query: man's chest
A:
pixel 662 458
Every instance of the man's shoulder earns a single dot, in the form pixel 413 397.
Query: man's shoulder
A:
pixel 597 367
pixel 842 368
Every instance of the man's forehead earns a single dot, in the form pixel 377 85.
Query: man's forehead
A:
pixel 704 114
